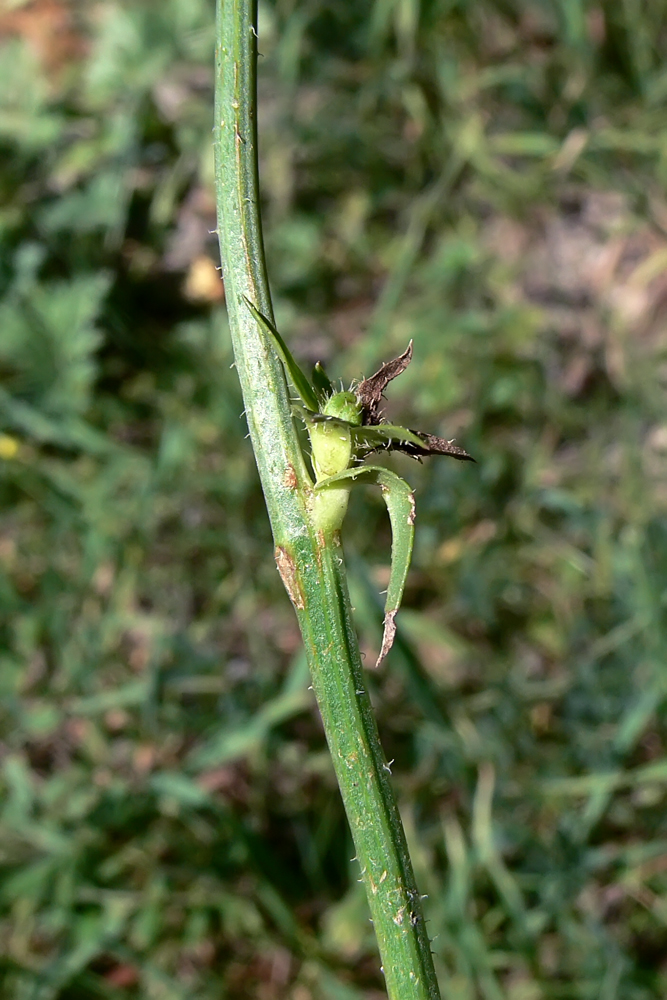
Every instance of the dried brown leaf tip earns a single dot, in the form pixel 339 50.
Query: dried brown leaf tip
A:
pixel 388 635
pixel 433 445
pixel 370 391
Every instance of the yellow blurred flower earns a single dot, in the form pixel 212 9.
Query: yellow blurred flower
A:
pixel 9 446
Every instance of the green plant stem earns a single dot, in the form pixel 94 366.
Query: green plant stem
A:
pixel 310 561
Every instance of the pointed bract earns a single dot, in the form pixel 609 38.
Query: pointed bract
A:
pixel 321 383
pixel 299 380
pixel 389 437
pixel 370 390
pixel 430 444
pixel 400 502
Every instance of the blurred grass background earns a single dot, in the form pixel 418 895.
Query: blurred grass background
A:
pixel 489 178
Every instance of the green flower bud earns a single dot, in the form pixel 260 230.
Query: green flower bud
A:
pixel 345 406
pixel 331 442
pixel 332 453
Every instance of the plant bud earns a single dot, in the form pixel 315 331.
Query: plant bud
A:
pixel 344 405
pixel 331 441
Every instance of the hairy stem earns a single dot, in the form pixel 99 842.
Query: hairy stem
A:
pixel 310 561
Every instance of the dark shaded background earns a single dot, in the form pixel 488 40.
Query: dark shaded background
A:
pixel 489 178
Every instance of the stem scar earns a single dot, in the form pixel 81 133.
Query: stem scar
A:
pixel 288 574
pixel 289 479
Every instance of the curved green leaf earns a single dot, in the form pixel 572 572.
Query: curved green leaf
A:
pixel 299 380
pixel 400 502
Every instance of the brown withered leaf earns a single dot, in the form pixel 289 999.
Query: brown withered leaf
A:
pixel 433 445
pixel 369 392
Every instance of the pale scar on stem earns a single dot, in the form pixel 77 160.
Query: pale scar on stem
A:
pixel 288 574
pixel 289 479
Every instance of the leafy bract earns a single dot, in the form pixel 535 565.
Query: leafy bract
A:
pixel 321 383
pixel 431 444
pixel 369 438
pixel 400 502
pixel 389 437
pixel 299 380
